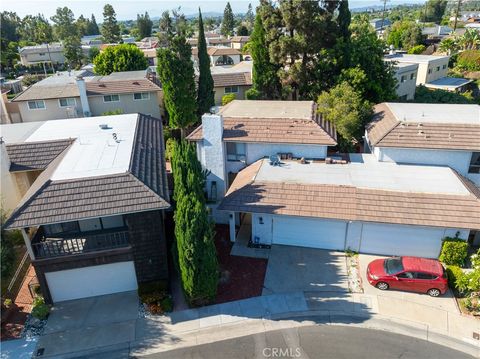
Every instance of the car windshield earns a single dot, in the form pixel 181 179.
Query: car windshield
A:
pixel 393 265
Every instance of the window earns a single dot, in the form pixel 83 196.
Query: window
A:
pixel 403 79
pixel 112 222
pixel 412 76
pixel 420 275
pixel 36 105
pixel 87 225
pixel 235 151
pixel 41 54
pixel 405 275
pixel 393 265
pixel 474 163
pixel 141 96
pixel 67 102
pixel 67 227
pixel 224 60
pixel 429 71
pixel 111 98
pixel 438 68
pixel 444 67
pixel 231 89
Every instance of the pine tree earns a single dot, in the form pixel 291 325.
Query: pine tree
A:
pixel 250 18
pixel 93 27
pixel 64 23
pixel 176 73
pixel 344 19
pixel 266 84
pixel 193 231
pixel 228 21
pixel 72 49
pixel 110 28
pixel 144 25
pixel 205 95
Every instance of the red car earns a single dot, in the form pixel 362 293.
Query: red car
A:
pixel 408 273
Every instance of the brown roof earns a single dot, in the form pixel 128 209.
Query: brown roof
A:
pixel 219 51
pixel 219 41
pixel 28 156
pixel 48 92
pixel 240 38
pixel 142 188
pixel 314 130
pixel 122 86
pixel 387 131
pixel 351 203
pixel 232 79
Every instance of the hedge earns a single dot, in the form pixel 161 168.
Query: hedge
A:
pixel 454 274
pixel 469 60
pixel 454 251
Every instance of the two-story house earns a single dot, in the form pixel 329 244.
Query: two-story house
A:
pixel 81 94
pixel 406 76
pixel 236 80
pixel 427 134
pixel 243 132
pixel 92 220
pixel 219 56
pixel 38 54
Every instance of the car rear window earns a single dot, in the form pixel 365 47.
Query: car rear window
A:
pixel 393 265
pixel 422 275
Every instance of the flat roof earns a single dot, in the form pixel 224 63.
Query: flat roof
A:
pixel 435 113
pixel 269 109
pixel 448 83
pixel 415 58
pixel 95 152
pixel 18 132
pixel 364 171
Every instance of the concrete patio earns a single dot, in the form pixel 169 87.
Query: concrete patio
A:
pixel 293 269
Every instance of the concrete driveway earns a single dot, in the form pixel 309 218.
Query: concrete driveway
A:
pixel 299 269
pixel 87 323
pixel 390 298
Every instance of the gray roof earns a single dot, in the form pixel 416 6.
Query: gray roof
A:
pixel 142 188
pixel 28 156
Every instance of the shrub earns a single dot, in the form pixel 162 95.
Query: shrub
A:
pixel 118 111
pixel 169 149
pixel 469 60
pixel 167 304
pixel 30 80
pixel 228 98
pixel 40 310
pixel 454 274
pixel 418 49
pixel 454 251
pixel 7 303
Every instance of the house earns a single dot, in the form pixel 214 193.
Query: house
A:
pixel 38 54
pixel 427 134
pixel 406 76
pixel 80 94
pixel 232 80
pixel 219 56
pixel 242 132
pixel 92 220
pixel 364 205
pixel 238 42
pixel 219 42
pixel 380 25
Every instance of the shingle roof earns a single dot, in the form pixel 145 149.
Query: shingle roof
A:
pixel 142 188
pixel 27 156
pixel 219 51
pixel 301 130
pixel 240 38
pixel 123 86
pixel 386 130
pixel 219 41
pixel 351 203
pixel 36 92
pixel 232 79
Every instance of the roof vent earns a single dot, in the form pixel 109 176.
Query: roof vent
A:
pixel 421 133
pixel 419 124
pixel 102 85
pixel 115 137
pixel 104 126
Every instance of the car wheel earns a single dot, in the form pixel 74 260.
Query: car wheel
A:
pixel 382 285
pixel 434 292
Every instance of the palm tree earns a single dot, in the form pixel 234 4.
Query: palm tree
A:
pixel 448 45
pixel 470 40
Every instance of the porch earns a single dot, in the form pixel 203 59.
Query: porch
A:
pixel 243 245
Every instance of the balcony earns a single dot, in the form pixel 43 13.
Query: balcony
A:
pixel 79 243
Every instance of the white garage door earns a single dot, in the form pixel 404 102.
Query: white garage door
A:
pixel 308 232
pixel 388 239
pixel 91 281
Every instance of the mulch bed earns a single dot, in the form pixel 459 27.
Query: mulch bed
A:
pixel 241 277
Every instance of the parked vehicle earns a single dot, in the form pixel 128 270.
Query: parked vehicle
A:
pixel 408 273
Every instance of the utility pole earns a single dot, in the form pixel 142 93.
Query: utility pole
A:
pixel 383 13
pixel 456 15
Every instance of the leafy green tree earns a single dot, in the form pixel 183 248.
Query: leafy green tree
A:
pixel 123 57
pixel 110 27
pixel 470 40
pixel 176 73
pixel 228 21
pixel 8 53
pixel 348 111
pixel 205 94
pixel 227 98
pixel 92 28
pixel 92 53
pixel 417 49
pixel 425 95
pixel 193 231
pixel 250 18
pixel 82 25
pixel 36 29
pixel 242 30
pixel 144 25
pixel 166 28
pixel 435 9
pixel 64 23
pixel 72 49
pixel 367 52
pixel 266 84
pixel 10 23
pixel 404 35
pixel 448 46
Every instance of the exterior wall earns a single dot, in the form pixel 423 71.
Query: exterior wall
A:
pixel 10 194
pixel 262 232
pixel 24 180
pixel 127 104
pixel 406 88
pixel 149 246
pixel 236 59
pixel 423 75
pixel 32 58
pixel 52 111
pixel 220 92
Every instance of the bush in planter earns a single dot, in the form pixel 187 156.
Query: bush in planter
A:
pixel 454 274
pixel 454 251
pixel 40 310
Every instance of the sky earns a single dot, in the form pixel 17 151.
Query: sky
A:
pixel 128 9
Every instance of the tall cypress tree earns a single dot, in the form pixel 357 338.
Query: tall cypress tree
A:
pixel 228 21
pixel 205 95
pixel 344 19
pixel 110 28
pixel 266 83
pixel 193 231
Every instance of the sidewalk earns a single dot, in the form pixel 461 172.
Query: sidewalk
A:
pixel 259 314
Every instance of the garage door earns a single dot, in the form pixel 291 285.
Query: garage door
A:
pixel 401 240
pixel 307 232
pixel 91 281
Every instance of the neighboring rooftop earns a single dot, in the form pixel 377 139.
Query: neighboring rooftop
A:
pixel 273 122
pixel 40 48
pixel 414 58
pixel 429 126
pixel 240 38
pixel 219 51
pixel 448 83
pixel 364 190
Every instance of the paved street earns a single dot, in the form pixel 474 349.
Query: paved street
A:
pixel 317 342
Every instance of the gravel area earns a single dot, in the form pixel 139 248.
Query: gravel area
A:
pixel 33 327
pixel 354 280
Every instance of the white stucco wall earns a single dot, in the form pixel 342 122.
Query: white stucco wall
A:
pixel 10 194
pixel 264 231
